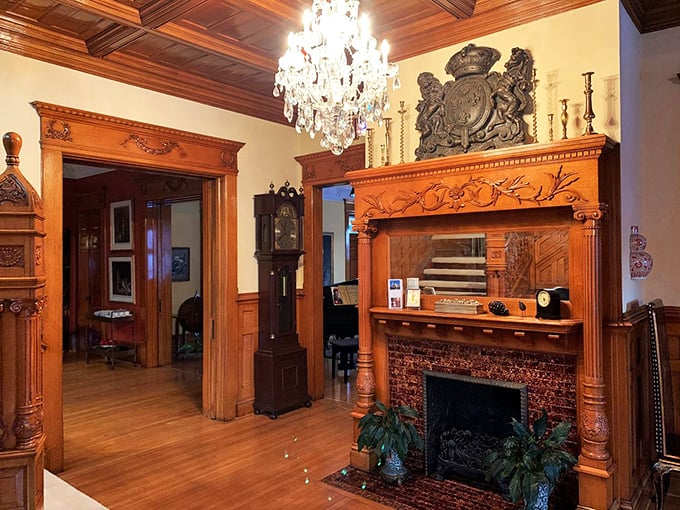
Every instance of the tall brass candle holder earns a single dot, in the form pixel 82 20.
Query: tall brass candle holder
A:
pixel 382 154
pixel 533 98
pixel 550 127
pixel 588 115
pixel 369 142
pixel 564 118
pixel 387 140
pixel 401 112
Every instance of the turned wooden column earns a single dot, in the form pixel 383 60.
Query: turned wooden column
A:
pixel 22 300
pixel 594 464
pixel 365 363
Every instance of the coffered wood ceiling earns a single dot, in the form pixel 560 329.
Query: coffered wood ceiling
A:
pixel 225 53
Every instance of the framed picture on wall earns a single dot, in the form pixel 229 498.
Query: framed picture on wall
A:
pixel 122 279
pixel 121 225
pixel 180 264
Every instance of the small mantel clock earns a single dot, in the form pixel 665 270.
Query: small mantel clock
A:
pixel 280 360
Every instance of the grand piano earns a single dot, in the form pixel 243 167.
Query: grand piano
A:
pixel 341 320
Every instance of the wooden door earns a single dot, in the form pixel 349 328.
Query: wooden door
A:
pixel 88 271
pixel 158 236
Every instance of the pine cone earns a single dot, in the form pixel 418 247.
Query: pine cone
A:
pixel 498 308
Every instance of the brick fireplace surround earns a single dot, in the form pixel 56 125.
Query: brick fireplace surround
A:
pixel 550 377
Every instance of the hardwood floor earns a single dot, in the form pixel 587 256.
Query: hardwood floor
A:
pixel 135 439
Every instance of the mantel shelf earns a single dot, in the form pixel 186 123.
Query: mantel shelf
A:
pixel 483 321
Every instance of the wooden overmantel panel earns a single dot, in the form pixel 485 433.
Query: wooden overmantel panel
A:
pixel 530 176
pixel 135 143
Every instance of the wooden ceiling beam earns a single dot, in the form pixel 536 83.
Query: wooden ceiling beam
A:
pixel 159 12
pixel 460 9
pixel 224 47
pixel 112 39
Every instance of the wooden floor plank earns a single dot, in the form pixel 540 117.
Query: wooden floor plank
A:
pixel 135 439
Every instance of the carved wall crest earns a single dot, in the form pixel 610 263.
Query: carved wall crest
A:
pixel 478 110
pixel 11 190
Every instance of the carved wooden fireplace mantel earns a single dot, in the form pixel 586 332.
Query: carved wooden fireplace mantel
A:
pixel 571 185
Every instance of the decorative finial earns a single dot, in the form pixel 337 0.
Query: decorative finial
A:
pixel 12 142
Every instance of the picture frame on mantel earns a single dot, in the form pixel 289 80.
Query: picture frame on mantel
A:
pixel 121 225
pixel 122 279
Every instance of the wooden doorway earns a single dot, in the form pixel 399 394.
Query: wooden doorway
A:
pixel 86 136
pixel 319 170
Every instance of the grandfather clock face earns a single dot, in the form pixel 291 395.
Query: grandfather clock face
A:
pixel 286 227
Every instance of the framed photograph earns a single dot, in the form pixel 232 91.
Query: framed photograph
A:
pixel 122 279
pixel 394 293
pixel 121 225
pixel 180 264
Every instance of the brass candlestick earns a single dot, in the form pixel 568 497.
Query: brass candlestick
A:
pixel 382 154
pixel 550 126
pixel 387 140
pixel 589 115
pixel 369 142
pixel 533 98
pixel 401 112
pixel 564 118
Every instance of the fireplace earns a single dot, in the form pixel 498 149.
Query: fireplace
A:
pixel 465 418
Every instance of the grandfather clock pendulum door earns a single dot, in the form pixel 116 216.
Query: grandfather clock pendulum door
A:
pixel 280 360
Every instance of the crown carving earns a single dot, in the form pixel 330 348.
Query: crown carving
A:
pixel 472 60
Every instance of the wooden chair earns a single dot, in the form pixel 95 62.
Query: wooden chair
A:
pixel 666 437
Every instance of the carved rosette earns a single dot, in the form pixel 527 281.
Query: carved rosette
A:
pixel 28 426
pixel 26 307
pixel 11 256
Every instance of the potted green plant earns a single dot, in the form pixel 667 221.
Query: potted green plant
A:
pixel 531 461
pixel 390 433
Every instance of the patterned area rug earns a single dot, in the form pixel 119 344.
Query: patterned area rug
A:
pixel 418 493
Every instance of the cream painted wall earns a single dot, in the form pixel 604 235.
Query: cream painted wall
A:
pixel 267 156
pixel 659 170
pixel 631 42
pixel 186 233
pixel 334 221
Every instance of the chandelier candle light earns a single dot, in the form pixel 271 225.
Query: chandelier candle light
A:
pixel 334 74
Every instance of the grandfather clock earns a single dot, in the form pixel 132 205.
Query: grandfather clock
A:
pixel 280 360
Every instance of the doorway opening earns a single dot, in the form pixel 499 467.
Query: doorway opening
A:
pixel 340 314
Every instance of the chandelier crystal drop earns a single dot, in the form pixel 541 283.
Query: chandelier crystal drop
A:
pixel 334 74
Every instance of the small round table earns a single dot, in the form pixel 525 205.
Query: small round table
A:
pixel 346 347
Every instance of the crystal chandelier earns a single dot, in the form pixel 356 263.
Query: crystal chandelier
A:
pixel 334 74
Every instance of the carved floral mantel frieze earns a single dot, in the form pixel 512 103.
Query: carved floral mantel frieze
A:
pixel 547 175
pixel 477 191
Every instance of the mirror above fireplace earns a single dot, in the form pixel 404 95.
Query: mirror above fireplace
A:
pixel 462 264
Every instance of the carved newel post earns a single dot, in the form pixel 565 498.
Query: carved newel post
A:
pixel 22 300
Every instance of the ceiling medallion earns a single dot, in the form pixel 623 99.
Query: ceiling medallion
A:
pixel 334 74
